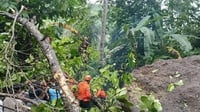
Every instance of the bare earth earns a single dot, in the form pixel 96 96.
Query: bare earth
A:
pixel 155 78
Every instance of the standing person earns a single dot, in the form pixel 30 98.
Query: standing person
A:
pixel 84 93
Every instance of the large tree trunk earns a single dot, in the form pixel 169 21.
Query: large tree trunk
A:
pixel 70 101
pixel 103 31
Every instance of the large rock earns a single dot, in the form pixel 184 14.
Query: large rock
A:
pixel 11 105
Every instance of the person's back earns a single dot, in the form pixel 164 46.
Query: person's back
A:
pixel 54 94
pixel 84 93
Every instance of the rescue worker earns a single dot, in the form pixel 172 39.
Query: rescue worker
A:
pixel 101 94
pixel 84 93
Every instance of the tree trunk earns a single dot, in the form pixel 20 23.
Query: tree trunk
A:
pixel 70 101
pixel 103 31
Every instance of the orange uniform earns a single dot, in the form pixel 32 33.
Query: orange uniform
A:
pixel 84 93
pixel 101 93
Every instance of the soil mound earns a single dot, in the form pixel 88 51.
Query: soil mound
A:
pixel 155 78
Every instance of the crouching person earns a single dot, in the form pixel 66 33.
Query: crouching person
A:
pixel 54 94
pixel 101 96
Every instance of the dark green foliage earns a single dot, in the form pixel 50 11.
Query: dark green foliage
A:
pixel 150 20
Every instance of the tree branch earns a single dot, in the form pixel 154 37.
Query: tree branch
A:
pixel 19 97
pixel 12 37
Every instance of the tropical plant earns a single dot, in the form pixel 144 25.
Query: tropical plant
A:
pixel 116 100
pixel 150 104
pixel 154 26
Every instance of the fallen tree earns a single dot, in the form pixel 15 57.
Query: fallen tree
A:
pixel 71 104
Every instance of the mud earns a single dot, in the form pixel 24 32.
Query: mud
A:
pixel 155 79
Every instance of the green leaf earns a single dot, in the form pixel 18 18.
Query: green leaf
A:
pixel 5 5
pixel 157 105
pixel 179 83
pixel 123 99
pixel 114 50
pixel 183 41
pixel 128 78
pixel 170 87
pixel 142 22
pixel 94 109
pixel 41 108
pixel 149 37
pixel 146 102
pixel 131 60
pixel 150 104
pixel 144 98
pixel 122 91
pixel 14 77
pixel 115 109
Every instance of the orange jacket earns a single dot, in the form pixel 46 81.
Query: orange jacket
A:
pixel 101 93
pixel 84 92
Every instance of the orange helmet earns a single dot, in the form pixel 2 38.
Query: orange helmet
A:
pixel 88 78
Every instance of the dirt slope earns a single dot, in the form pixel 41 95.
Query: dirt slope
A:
pixel 155 78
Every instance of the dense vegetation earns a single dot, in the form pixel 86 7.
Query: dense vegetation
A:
pixel 138 32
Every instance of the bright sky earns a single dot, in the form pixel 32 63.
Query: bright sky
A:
pixel 92 1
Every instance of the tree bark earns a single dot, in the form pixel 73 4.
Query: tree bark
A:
pixel 103 31
pixel 70 101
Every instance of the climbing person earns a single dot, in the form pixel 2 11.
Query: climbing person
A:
pixel 84 93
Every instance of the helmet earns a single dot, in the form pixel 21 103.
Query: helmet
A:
pixel 88 78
